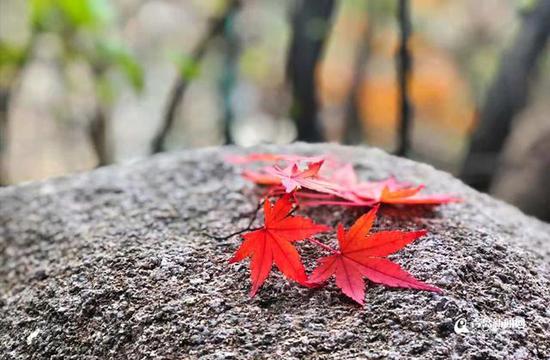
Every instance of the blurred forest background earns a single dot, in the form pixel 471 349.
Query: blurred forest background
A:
pixel 463 85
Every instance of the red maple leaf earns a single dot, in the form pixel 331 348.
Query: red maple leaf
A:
pixel 389 191
pixel 340 186
pixel 272 244
pixel 292 178
pixel 362 255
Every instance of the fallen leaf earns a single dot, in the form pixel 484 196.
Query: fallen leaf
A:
pixel 272 244
pixel 292 178
pixel 362 255
pixel 261 178
pixel 388 191
pixel 266 157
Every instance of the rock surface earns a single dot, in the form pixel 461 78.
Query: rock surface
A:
pixel 115 264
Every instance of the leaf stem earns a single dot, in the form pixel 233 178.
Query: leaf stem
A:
pixel 221 238
pixel 248 227
pixel 337 203
pixel 320 244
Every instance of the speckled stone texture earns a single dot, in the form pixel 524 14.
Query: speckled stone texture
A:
pixel 114 264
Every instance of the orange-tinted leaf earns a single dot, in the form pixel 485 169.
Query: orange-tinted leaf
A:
pixel 389 191
pixel 359 231
pixel 243 159
pixel 261 178
pixel 385 243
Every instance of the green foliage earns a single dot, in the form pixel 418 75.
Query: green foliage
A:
pixel 188 67
pixel 84 27
pixel 526 6
pixel 63 15
pixel 115 53
pixel 11 55
pixel 104 89
pixel 12 58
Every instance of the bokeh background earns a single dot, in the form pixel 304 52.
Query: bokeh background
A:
pixel 85 83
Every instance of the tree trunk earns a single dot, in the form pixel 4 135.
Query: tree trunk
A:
pixel 229 77
pixel 310 28
pixel 507 96
pixel 4 109
pixel 403 58
pixel 354 130
pixel 523 178
pixel 100 137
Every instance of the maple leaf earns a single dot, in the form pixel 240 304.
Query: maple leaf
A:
pixel 272 244
pixel 292 178
pixel 268 157
pixel 253 157
pixel 389 191
pixel 274 175
pixel 362 255
pixel 261 178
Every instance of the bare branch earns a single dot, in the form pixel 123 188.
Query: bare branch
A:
pixel 215 28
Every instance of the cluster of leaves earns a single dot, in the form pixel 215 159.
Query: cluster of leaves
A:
pixel 326 181
pixel 84 28
pixel 360 254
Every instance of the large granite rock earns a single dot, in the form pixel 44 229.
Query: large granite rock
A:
pixel 115 264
